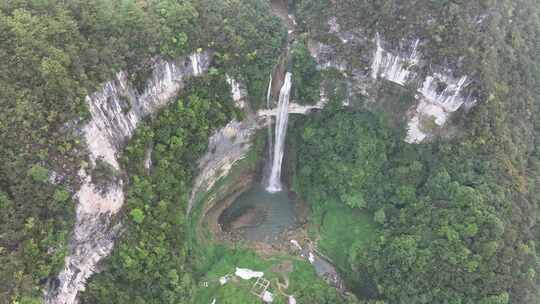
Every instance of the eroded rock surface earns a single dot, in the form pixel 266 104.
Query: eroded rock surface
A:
pixel 115 112
pixel 438 94
pixel 226 146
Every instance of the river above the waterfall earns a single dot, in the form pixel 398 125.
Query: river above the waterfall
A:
pixel 258 215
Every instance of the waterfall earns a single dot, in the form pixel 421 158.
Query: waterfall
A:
pixel 282 117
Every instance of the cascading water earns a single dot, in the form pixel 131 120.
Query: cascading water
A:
pixel 264 212
pixel 282 117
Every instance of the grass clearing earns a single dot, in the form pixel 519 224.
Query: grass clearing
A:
pixel 210 261
pixel 304 283
pixel 341 226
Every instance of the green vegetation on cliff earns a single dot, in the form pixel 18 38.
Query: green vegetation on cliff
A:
pixel 340 158
pixel 53 53
pixel 442 215
pixel 460 216
pixel 150 262
pixel 450 221
pixel 306 77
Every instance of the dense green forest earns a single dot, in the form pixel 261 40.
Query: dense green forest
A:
pixel 457 218
pixel 56 52
pixel 442 217
pixel 454 220
pixel 149 264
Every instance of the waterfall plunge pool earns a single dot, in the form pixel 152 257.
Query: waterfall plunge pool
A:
pixel 258 215
pixel 262 214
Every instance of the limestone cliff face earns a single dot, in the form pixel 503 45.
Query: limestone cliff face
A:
pixel 227 145
pixel 117 108
pixel 115 112
pixel 440 90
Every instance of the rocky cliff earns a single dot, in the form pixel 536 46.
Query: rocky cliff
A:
pixel 440 90
pixel 226 146
pixel 117 108
pixel 115 111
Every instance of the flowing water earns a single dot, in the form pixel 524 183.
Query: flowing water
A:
pixel 282 117
pixel 264 212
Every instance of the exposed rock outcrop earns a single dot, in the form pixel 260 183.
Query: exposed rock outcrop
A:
pixel 226 146
pixel 115 112
pixel 438 94
pixel 117 108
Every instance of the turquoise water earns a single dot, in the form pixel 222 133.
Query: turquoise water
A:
pixel 272 214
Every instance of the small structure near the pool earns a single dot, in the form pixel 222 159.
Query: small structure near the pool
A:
pixel 259 289
pixel 224 279
pixel 248 274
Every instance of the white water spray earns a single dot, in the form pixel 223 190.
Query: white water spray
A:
pixel 282 117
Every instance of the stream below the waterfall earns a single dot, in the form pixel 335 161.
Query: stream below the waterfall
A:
pixel 258 215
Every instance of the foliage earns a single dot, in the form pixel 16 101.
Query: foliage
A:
pixel 444 234
pixel 248 40
pixel 61 195
pixel 38 173
pixel 344 232
pixel 334 84
pixel 338 161
pixel 150 262
pixel 56 53
pixel 304 10
pixel 103 175
pixel 137 215
pixel 443 221
pixel 306 76
pixel 460 217
pixel 334 168
pixel 446 229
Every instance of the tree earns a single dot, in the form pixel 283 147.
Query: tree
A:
pixel 380 216
pixel 137 215
pixel 38 173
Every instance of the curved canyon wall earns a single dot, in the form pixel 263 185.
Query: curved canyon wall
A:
pixel 226 146
pixel 117 108
pixel 115 112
